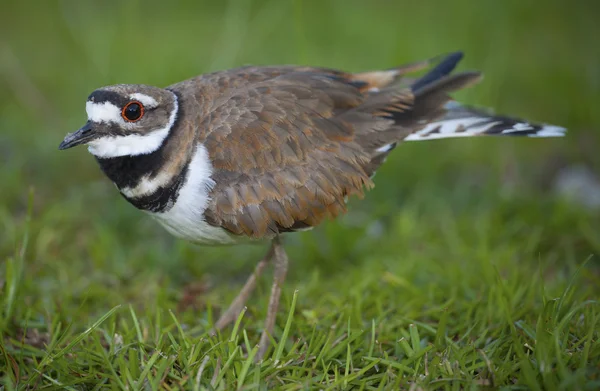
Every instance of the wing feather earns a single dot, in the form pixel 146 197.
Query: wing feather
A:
pixel 288 145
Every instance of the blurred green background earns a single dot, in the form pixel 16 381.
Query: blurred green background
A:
pixel 436 205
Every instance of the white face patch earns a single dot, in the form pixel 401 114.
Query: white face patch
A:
pixel 147 101
pixel 103 112
pixel 108 113
pixel 130 145
pixel 127 145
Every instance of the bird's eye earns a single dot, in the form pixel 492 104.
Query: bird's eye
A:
pixel 133 111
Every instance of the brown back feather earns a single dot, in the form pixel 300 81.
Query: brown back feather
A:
pixel 289 144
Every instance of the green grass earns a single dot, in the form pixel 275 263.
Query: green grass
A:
pixel 462 269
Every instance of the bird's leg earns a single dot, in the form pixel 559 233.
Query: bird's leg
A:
pixel 280 261
pixel 239 302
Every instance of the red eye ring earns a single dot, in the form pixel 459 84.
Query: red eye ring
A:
pixel 133 111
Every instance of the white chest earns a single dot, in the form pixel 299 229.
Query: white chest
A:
pixel 185 219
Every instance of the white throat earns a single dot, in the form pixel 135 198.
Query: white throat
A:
pixel 129 145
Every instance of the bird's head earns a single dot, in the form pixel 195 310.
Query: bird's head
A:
pixel 125 120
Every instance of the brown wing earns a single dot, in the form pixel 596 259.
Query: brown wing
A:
pixel 288 149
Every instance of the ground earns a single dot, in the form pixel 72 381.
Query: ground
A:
pixel 468 266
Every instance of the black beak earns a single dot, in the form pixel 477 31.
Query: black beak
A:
pixel 81 136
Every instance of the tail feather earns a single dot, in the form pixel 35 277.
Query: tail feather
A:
pixel 374 81
pixel 462 121
pixel 424 110
pixel 446 118
pixel 442 69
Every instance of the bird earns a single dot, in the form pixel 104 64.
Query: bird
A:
pixel 258 152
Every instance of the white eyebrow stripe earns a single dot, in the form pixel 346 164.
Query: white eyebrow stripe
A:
pixel 103 112
pixel 146 100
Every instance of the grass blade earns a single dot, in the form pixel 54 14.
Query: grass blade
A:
pixel 286 330
pixel 48 359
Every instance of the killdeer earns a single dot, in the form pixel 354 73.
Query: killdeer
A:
pixel 255 152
